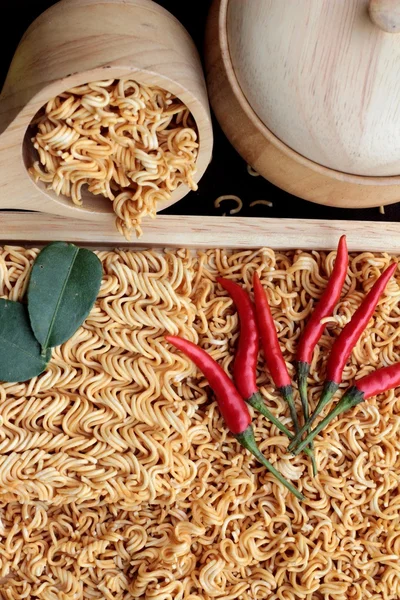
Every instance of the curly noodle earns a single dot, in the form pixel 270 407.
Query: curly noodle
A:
pixel 119 480
pixel 128 142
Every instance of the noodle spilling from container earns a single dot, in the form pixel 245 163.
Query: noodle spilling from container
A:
pixel 128 142
pixel 119 479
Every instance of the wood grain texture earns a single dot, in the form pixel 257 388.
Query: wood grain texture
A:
pixel 273 159
pixel 385 14
pixel 323 78
pixel 206 232
pixel 76 41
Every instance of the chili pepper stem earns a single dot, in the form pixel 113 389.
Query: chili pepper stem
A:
pixel 349 400
pixel 286 392
pixel 257 402
pixel 330 388
pixel 313 460
pixel 247 440
pixel 303 370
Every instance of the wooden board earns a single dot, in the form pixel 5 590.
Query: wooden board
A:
pixel 205 232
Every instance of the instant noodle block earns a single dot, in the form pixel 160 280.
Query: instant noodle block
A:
pixel 119 479
pixel 78 42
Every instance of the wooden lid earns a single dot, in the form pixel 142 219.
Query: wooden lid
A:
pixel 324 77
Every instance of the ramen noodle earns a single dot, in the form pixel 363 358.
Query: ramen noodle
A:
pixel 261 202
pixel 252 171
pixel 119 479
pixel 230 198
pixel 128 142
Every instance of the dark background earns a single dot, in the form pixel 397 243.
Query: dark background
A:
pixel 227 173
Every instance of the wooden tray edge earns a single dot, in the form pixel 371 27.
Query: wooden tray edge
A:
pixel 206 232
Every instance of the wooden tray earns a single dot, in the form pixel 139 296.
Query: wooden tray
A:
pixel 205 232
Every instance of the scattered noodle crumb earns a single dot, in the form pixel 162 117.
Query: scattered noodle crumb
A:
pixel 265 202
pixel 382 210
pixel 252 171
pixel 128 142
pixel 120 481
pixel 233 211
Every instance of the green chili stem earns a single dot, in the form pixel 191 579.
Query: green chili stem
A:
pixel 287 394
pixel 257 402
pixel 349 400
pixel 247 440
pixel 303 370
pixel 328 392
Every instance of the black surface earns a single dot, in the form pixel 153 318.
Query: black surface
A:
pixel 227 173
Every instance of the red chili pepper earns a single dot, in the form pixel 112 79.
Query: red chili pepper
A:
pixel 245 363
pixel 344 345
pixel 314 328
pixel 377 382
pixel 349 336
pixel 272 350
pixel 231 404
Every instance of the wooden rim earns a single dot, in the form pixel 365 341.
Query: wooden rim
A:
pixel 267 133
pixel 184 231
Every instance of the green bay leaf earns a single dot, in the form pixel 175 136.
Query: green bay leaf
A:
pixel 63 287
pixel 20 352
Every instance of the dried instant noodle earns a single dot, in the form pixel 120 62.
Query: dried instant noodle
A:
pixel 119 480
pixel 128 142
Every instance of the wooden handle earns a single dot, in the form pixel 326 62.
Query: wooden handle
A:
pixel 385 14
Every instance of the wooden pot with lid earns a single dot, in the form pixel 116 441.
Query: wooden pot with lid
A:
pixel 308 92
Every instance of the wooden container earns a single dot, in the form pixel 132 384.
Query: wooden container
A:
pixel 78 41
pixel 308 93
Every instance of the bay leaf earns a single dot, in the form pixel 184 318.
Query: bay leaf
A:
pixel 20 352
pixel 63 287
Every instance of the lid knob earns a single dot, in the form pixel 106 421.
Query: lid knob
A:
pixel 385 14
